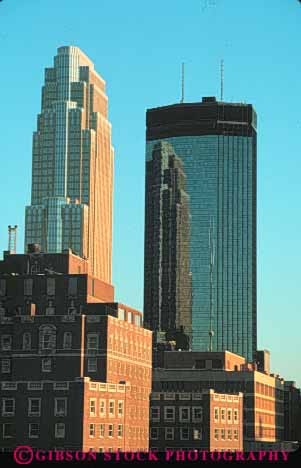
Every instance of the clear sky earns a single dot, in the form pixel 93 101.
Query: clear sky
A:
pixel 137 47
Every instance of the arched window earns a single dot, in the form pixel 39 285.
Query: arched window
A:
pixel 67 340
pixel 26 342
pixel 47 337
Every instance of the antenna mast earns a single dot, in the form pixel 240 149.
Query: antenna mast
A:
pixel 12 239
pixel 222 80
pixel 183 78
pixel 211 248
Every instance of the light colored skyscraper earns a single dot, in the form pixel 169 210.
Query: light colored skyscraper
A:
pixel 72 165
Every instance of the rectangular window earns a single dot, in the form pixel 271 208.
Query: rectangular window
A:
pixel 33 430
pixel 92 365
pixel 72 287
pixel 229 416
pixel 197 414
pixel 101 430
pixel 2 287
pixel 34 406
pixel 8 406
pixel 216 414
pixel 184 433
pixel 197 434
pixel 216 434
pixel 169 433
pixel 120 407
pixel 6 342
pixel 92 406
pixel 235 432
pixel 50 287
pixel 111 408
pixel 120 430
pixel 235 416
pixel 46 365
pixel 28 283
pixel 102 407
pixel 169 413
pixel 8 430
pixel 223 435
pixel 67 340
pixel 184 413
pixel 60 407
pixel 92 341
pixel 155 413
pixel 59 430
pixel 229 433
pixel 111 430
pixel 223 415
pixel 92 430
pixel 5 366
pixel 154 433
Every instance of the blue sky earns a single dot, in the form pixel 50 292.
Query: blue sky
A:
pixel 138 47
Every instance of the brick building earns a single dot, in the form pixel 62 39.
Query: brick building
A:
pixel 227 373
pixel 196 420
pixel 56 334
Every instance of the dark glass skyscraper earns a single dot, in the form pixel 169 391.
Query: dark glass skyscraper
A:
pixel 216 143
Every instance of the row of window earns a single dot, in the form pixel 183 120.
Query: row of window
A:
pixel 9 430
pixel 220 415
pixel 102 407
pixel 222 434
pixel 185 412
pixel 186 433
pixel 34 407
pixel 50 284
pixel 46 365
pixel 109 430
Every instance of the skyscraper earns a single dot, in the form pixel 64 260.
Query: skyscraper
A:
pixel 216 143
pixel 72 165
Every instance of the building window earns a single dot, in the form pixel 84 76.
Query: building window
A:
pixel 8 430
pixel 184 413
pixel 92 406
pixel 216 414
pixel 197 414
pixel 92 430
pixel 50 309
pixel 169 413
pixel 216 434
pixel 235 432
pixel 229 433
pixel 2 287
pixel 59 430
pixel 92 365
pixel 223 434
pixel 8 406
pixel 28 283
pixel 60 407
pixel 111 408
pixel 50 286
pixel 120 430
pixel 26 342
pixel 33 430
pixel 102 407
pixel 47 337
pixel 120 408
pixel 34 406
pixel 155 413
pixel 154 433
pixel 130 317
pixel 184 433
pixel 5 366
pixel 100 449
pixel 169 433
pixel 197 434
pixel 111 430
pixel 6 342
pixel 235 416
pixel 223 415
pixel 67 340
pixel 229 416
pixel 101 430
pixel 46 365
pixel 72 287
pixel 92 341
pixel 121 314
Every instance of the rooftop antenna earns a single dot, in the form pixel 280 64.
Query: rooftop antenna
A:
pixel 12 239
pixel 212 254
pixel 183 78
pixel 222 80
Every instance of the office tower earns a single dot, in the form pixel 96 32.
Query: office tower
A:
pixel 167 246
pixel 72 165
pixel 216 143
